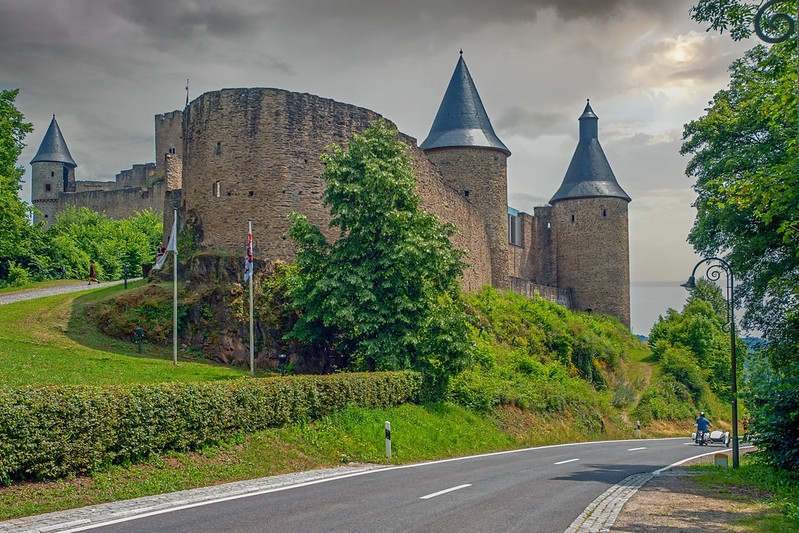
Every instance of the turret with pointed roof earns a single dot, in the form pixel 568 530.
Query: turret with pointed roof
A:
pixel 52 173
pixel 589 174
pixel 461 119
pixel 590 229
pixel 54 147
pixel 473 161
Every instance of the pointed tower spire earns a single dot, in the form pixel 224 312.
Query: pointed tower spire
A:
pixel 54 147
pixel 461 119
pixel 589 174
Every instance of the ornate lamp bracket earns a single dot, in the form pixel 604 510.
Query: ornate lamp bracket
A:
pixel 778 26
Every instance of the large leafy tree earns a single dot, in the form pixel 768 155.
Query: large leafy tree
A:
pixel 17 233
pixel 384 295
pixel 745 160
pixel 79 235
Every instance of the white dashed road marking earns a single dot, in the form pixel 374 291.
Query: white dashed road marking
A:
pixel 439 493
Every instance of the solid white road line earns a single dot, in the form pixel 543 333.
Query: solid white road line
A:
pixel 567 461
pixel 636 449
pixel 439 493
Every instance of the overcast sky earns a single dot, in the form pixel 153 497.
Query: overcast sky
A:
pixel 105 67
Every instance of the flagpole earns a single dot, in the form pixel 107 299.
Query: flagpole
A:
pixel 252 344
pixel 175 297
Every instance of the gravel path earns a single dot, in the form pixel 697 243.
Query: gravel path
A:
pixel 30 294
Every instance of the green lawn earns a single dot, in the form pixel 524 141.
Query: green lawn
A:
pixel 49 341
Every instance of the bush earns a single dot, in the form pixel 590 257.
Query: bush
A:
pixel 666 399
pixel 56 431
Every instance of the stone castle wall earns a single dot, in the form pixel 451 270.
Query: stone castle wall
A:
pixel 49 180
pixel 593 256
pixel 117 203
pixel 479 175
pixel 254 154
pixel 168 139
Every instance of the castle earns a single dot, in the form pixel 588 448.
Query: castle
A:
pixel 239 154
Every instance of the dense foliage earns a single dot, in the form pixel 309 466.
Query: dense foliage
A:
pixel 384 295
pixel 692 348
pixel 80 235
pixel 694 345
pixel 17 236
pixel 538 356
pixel 56 431
pixel 745 159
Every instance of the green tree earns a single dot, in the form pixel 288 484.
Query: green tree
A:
pixel 699 330
pixel 737 17
pixel 17 233
pixel 744 157
pixel 385 294
pixel 79 235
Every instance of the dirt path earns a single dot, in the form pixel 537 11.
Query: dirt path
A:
pixel 30 294
pixel 674 502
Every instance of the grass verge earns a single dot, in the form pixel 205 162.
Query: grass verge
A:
pixel 774 493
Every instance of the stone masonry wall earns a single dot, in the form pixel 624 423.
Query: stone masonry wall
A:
pixel 593 254
pixel 254 154
pixel 168 139
pixel 49 175
pixel 480 176
pixel 118 203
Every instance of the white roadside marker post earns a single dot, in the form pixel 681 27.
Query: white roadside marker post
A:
pixel 388 439
pixel 639 428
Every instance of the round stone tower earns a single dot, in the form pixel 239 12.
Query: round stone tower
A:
pixel 473 161
pixel 52 172
pixel 591 230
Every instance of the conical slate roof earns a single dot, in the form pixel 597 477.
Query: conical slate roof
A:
pixel 589 174
pixel 54 147
pixel 461 119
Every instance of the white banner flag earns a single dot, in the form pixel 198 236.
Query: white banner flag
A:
pixel 170 247
pixel 248 258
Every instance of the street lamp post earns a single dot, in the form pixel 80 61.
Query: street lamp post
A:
pixel 713 273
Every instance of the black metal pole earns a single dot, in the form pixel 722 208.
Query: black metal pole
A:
pixel 733 377
pixel 714 275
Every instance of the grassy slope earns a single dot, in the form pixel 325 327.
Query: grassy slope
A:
pixel 48 341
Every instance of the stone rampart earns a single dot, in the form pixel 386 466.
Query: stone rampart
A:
pixel 254 154
pixel 531 290
pixel 117 203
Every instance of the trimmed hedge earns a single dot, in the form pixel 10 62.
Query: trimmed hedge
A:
pixel 54 431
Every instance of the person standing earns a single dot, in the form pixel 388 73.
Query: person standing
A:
pixel 92 272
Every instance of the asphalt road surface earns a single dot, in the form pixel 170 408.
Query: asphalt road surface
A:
pixel 533 490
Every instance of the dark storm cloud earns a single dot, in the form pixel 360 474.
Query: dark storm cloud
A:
pixel 179 19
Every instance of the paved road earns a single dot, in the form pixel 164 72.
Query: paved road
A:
pixel 30 294
pixel 538 489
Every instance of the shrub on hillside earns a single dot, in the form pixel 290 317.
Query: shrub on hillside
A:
pixel 666 399
pixel 55 431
